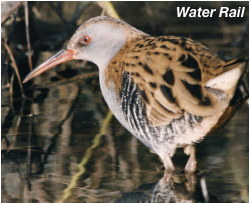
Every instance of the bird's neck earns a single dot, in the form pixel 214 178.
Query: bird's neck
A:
pixel 113 48
pixel 110 83
pixel 110 72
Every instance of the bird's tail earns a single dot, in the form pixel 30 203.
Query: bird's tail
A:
pixel 228 80
pixel 233 74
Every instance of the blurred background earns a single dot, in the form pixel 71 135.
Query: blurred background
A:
pixel 59 141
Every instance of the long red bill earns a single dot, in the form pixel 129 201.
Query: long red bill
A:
pixel 60 57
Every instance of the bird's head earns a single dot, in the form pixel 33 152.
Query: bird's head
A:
pixel 98 40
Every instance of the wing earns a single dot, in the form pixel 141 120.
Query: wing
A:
pixel 171 74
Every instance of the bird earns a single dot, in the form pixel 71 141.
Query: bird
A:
pixel 168 91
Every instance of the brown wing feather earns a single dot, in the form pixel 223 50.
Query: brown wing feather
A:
pixel 171 72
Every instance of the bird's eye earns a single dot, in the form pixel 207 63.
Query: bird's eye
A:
pixel 86 39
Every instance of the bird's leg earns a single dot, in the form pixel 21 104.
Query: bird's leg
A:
pixel 168 164
pixel 190 168
pixel 192 163
pixel 169 168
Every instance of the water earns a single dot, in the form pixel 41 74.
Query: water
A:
pixel 49 156
pixel 62 145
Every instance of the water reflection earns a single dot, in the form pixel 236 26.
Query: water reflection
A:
pixel 162 192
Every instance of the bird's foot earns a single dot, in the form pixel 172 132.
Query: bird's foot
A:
pixel 191 165
pixel 169 169
pixel 168 164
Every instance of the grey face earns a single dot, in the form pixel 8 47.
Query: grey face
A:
pixel 105 40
